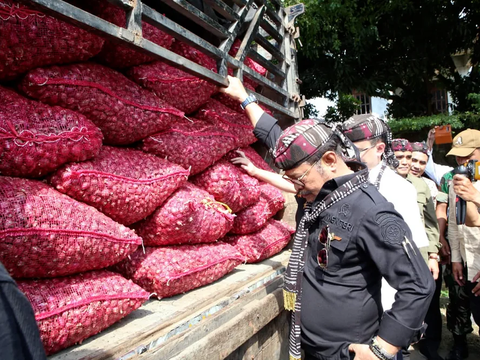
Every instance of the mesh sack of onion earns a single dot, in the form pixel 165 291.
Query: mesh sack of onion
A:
pixel 125 184
pixel 170 270
pixel 70 309
pixel 122 109
pixel 30 38
pixel 189 216
pixel 44 233
pixel 264 243
pixel 36 139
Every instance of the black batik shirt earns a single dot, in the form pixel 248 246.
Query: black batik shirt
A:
pixel 342 304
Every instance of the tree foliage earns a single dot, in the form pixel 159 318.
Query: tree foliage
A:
pixel 378 47
pixel 345 107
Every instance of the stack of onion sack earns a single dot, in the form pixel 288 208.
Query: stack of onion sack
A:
pixel 193 145
pixel 36 139
pixel 171 270
pixel 44 233
pixel 29 39
pixel 189 216
pixel 260 245
pixel 185 91
pixel 229 120
pixel 125 184
pixel 119 56
pixel 73 308
pixel 123 110
pixel 229 184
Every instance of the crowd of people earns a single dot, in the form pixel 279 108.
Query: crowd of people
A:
pixel 377 233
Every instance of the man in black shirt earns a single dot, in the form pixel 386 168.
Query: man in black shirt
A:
pixel 19 336
pixel 348 238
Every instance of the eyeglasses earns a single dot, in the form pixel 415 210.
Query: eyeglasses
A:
pixel 366 149
pixel 325 239
pixel 298 181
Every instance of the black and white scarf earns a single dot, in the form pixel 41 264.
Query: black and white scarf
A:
pixel 292 289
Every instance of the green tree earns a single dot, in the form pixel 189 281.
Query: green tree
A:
pixel 378 47
pixel 345 107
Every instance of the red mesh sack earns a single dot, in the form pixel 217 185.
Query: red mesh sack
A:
pixel 264 243
pixel 254 217
pixel 29 39
pixel 119 56
pixel 195 145
pixel 125 184
pixel 229 120
pixel 35 139
pixel 189 216
pixel 185 91
pixel 229 184
pixel 248 61
pixel 171 270
pixel 44 233
pixel 250 153
pixel 194 55
pixel 73 308
pixel 123 110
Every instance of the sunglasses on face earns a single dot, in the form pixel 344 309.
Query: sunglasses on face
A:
pixel 325 238
pixel 298 181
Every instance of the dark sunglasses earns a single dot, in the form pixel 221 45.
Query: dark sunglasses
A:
pixel 325 239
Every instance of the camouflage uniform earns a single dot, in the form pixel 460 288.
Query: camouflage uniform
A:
pixel 458 310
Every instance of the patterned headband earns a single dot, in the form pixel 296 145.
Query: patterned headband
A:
pixel 367 127
pixel 401 145
pixel 301 141
pixel 421 147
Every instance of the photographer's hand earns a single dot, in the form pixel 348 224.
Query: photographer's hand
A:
pixel 464 188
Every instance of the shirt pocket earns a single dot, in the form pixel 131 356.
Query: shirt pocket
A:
pixel 336 254
pixel 422 203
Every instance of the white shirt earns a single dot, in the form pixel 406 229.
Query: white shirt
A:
pixel 464 240
pixel 403 196
pixel 436 171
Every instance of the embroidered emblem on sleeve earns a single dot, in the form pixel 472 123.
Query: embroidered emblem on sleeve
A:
pixel 391 228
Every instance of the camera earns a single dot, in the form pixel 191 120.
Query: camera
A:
pixel 471 170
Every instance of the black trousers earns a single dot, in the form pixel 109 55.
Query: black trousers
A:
pixel 433 334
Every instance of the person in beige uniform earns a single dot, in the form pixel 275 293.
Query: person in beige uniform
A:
pixel 419 163
pixel 464 240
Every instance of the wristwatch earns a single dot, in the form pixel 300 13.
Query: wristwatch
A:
pixel 379 352
pixel 250 99
pixel 434 257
